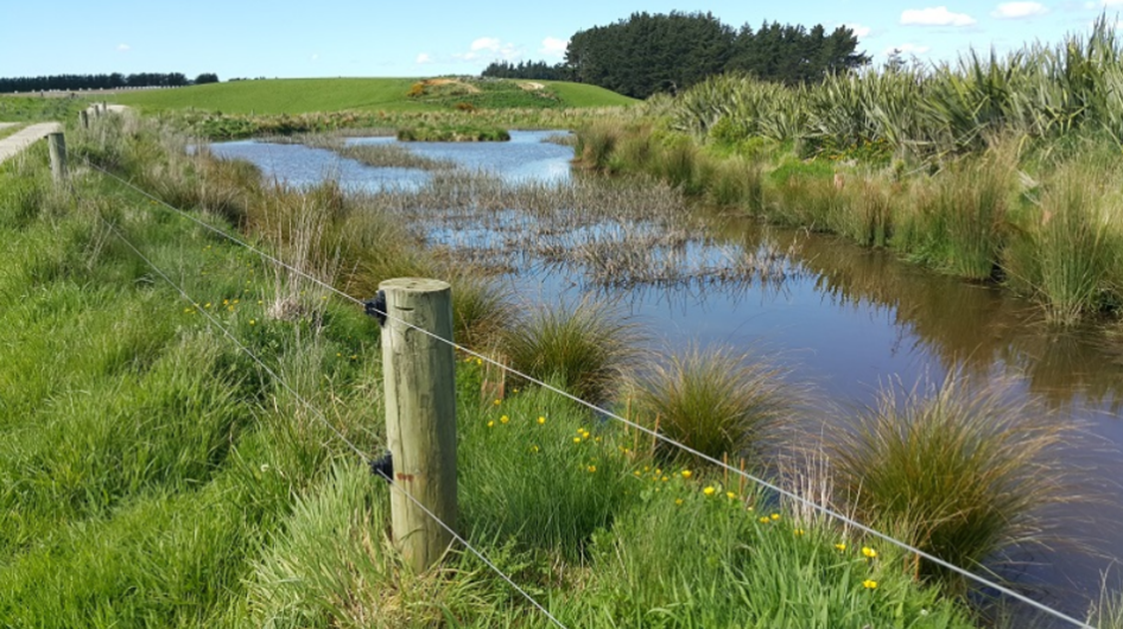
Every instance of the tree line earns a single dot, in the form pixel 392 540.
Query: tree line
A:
pixel 649 53
pixel 116 80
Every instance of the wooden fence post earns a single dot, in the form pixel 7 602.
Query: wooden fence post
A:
pixel 420 387
pixel 57 145
pixel 84 119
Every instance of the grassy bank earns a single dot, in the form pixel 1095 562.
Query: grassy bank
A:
pixel 154 475
pixel 1018 192
pixel 39 109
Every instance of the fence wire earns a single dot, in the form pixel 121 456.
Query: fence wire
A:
pixel 824 510
pixel 323 418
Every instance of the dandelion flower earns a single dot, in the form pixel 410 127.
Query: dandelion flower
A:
pixel 764 520
pixel 709 491
pixel 534 448
pixel 730 495
pixel 636 472
pixel 504 419
pixel 541 420
pixel 678 501
pixel 577 440
pixel 592 468
pixel 775 516
pixel 498 402
pixel 868 552
pixel 686 473
pixel 797 532
pixel 869 584
pixel 491 424
pixel 253 321
pixel 841 546
pixel 665 479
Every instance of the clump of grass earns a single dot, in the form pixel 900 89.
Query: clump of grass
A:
pixel 1107 613
pixel 718 402
pixel 960 472
pixel 596 143
pixel 1068 252
pixel 958 223
pixel 585 348
pixel 452 133
pixel 480 309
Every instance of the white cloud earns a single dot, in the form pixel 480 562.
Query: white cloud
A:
pixel 859 30
pixel 935 16
pixel 553 47
pixel 1014 10
pixel 424 58
pixel 907 49
pixel 1112 3
pixel 490 48
pixel 123 48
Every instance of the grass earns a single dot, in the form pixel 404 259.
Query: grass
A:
pixel 299 96
pixel 452 133
pixel 583 348
pixel 960 472
pixel 39 109
pixel 152 474
pixel 718 402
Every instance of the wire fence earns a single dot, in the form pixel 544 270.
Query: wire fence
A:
pixel 810 504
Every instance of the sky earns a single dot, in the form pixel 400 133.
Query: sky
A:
pixel 369 38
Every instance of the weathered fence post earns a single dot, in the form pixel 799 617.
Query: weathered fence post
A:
pixel 57 146
pixel 84 119
pixel 420 387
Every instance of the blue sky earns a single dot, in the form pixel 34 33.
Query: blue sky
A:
pixel 283 38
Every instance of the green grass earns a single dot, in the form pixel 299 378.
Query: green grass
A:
pixel 299 96
pixel 153 475
pixel 717 402
pixel 39 109
pixel 960 471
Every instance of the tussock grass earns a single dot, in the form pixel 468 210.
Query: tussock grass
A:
pixel 718 402
pixel 585 348
pixel 959 471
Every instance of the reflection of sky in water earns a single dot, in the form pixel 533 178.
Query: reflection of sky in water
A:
pixel 526 156
pixel 847 320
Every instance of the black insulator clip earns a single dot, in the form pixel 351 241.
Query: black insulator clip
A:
pixel 377 307
pixel 383 466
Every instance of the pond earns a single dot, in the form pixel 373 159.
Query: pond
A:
pixel 844 319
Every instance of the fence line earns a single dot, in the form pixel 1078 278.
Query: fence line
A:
pixel 824 510
pixel 323 418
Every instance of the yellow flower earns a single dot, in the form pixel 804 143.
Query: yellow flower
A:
pixel 869 584
pixel 207 305
pixel 840 546
pixel 479 361
pixel 585 434
pixel 498 402
pixel 797 532
pixel 636 472
pixel 775 516
pixel 678 501
pixel 592 468
pixel 730 495
pixel 534 448
pixel 868 552
pixel 491 424
pixel 504 419
pixel 541 420
pixel 577 440
pixel 764 520
pixel 188 309
pixel 709 491
pixel 253 321
pixel 665 479
pixel 686 473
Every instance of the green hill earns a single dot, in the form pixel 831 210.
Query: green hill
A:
pixel 296 96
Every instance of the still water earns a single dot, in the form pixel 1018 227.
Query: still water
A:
pixel 844 319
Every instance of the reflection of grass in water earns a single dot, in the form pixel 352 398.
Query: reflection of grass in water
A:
pixel 376 155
